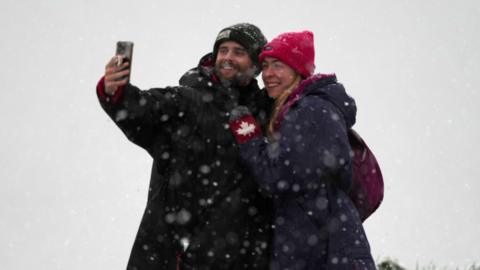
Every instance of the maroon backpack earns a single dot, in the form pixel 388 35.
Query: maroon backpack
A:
pixel 367 188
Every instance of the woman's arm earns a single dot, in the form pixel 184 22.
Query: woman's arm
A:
pixel 312 149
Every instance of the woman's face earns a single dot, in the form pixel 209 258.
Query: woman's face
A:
pixel 277 76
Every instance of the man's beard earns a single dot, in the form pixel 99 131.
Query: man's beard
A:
pixel 242 78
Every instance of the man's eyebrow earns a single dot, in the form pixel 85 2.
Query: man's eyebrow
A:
pixel 236 48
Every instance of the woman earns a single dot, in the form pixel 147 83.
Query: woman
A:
pixel 305 164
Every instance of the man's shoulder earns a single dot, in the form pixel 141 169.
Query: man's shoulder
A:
pixel 195 78
pixel 199 76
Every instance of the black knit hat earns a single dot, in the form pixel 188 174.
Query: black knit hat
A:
pixel 245 34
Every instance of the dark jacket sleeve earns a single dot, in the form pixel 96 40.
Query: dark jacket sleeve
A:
pixel 313 150
pixel 140 114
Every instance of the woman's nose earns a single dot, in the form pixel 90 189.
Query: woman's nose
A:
pixel 266 71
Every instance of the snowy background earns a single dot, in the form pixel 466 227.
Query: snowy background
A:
pixel 73 189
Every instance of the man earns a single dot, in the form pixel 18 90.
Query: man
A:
pixel 204 210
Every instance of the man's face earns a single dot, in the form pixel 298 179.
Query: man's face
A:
pixel 233 63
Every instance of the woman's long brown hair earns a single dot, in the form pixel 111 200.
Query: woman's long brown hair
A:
pixel 279 101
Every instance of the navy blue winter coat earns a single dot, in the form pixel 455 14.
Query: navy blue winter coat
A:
pixel 308 172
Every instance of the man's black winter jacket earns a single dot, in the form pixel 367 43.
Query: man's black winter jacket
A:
pixel 204 210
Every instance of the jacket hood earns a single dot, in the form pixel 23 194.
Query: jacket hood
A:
pixel 327 87
pixel 202 75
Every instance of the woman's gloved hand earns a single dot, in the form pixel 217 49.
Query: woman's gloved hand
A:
pixel 243 125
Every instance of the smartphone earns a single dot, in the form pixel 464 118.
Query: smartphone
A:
pixel 124 49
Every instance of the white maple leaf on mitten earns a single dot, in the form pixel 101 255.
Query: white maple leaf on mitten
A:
pixel 245 128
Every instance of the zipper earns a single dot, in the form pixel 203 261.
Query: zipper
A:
pixel 179 259
pixel 185 243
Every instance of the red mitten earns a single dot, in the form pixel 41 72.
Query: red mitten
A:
pixel 243 125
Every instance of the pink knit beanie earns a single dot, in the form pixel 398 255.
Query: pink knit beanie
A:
pixel 294 49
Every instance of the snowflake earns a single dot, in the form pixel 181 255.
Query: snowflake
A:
pixel 245 129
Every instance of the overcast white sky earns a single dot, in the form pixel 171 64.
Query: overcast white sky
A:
pixel 73 189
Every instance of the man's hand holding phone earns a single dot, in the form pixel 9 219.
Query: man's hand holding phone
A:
pixel 116 75
pixel 117 70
